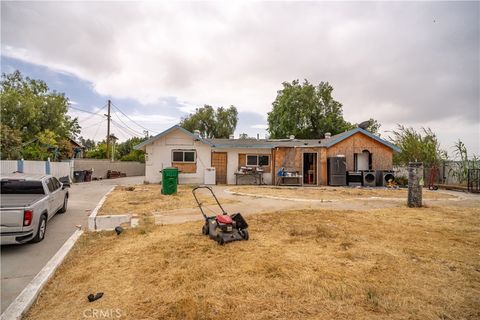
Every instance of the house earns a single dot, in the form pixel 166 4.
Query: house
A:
pixel 192 155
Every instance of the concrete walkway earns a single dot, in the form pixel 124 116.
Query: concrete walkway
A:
pixel 20 263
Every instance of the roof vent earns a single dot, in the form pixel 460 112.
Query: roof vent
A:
pixel 292 137
pixel 328 135
pixel 231 137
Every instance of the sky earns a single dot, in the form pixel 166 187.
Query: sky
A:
pixel 410 63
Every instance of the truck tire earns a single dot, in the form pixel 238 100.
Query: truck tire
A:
pixel 65 204
pixel 42 229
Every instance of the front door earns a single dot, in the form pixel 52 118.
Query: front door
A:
pixel 219 162
pixel 309 168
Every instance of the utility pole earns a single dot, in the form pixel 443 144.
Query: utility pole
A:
pixel 108 130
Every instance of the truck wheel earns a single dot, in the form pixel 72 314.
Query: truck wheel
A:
pixel 42 228
pixel 65 204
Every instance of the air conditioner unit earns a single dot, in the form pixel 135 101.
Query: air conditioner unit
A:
pixel 384 177
pixel 369 178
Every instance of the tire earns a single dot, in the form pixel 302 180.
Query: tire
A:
pixel 244 234
pixel 42 229
pixel 65 204
pixel 205 229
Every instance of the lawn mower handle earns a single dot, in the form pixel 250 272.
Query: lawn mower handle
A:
pixel 200 204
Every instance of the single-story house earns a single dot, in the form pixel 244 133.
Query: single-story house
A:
pixel 192 155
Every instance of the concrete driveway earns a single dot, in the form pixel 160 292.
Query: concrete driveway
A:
pixel 20 263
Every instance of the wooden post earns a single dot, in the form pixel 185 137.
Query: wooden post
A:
pixel 415 176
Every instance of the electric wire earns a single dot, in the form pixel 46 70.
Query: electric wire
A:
pixel 126 125
pixel 144 128
pixel 129 132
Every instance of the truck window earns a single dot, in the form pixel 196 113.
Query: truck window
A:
pixel 21 187
pixel 56 183
pixel 50 185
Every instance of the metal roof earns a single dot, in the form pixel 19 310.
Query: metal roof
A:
pixel 272 143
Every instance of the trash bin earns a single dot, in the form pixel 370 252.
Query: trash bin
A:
pixel 169 180
pixel 88 175
pixel 79 176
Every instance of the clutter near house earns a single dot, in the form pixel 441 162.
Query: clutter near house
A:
pixel 355 157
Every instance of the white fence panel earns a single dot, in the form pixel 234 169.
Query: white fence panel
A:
pixel 8 166
pixel 60 169
pixel 34 167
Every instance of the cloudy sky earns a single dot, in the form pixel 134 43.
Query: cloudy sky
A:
pixel 413 63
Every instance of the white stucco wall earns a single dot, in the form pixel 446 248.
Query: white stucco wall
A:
pixel 232 163
pixel 159 156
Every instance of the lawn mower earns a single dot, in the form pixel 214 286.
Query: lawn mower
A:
pixel 222 228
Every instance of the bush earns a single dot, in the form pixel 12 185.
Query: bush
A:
pixel 401 180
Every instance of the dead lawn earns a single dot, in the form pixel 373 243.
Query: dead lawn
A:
pixel 147 199
pixel 334 193
pixel 312 264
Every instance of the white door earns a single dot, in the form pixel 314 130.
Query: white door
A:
pixel 362 161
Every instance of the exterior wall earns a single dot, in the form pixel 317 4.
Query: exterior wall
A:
pixel 101 166
pixel 159 155
pixel 291 158
pixel 233 162
pixel 382 156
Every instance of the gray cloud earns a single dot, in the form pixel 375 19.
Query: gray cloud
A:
pixel 411 63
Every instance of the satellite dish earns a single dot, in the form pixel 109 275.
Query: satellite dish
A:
pixel 364 125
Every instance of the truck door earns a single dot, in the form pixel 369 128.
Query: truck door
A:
pixel 53 202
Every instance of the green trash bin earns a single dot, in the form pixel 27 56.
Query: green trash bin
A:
pixel 169 181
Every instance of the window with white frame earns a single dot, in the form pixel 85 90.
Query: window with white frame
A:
pixel 184 156
pixel 256 160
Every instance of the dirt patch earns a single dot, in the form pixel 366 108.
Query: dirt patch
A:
pixel 335 193
pixel 147 199
pixel 313 264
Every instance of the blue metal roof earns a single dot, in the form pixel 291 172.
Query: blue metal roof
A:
pixel 161 134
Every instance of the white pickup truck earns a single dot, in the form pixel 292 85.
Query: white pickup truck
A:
pixel 27 202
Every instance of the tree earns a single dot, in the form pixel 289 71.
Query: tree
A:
pixel 37 115
pixel 10 142
pixel 220 123
pixel 306 111
pixel 460 167
pixel 417 146
pixel 88 144
pixel 127 153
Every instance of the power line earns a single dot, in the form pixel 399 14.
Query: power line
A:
pixel 101 121
pixel 86 111
pixel 126 125
pixel 129 131
pixel 133 120
pixel 127 135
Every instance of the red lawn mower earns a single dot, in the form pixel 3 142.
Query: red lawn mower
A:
pixel 222 228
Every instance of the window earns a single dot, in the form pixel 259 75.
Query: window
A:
pixel 56 183
pixel 184 155
pixel 258 160
pixel 50 185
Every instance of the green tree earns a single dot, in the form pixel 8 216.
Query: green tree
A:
pixel 88 144
pixel 306 111
pixel 220 123
pixel 10 142
pixel 463 162
pixel 127 153
pixel 35 113
pixel 417 146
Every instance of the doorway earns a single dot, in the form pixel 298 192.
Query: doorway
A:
pixel 219 161
pixel 309 168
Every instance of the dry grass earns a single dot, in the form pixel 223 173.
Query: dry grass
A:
pixel 146 199
pixel 333 193
pixel 324 264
